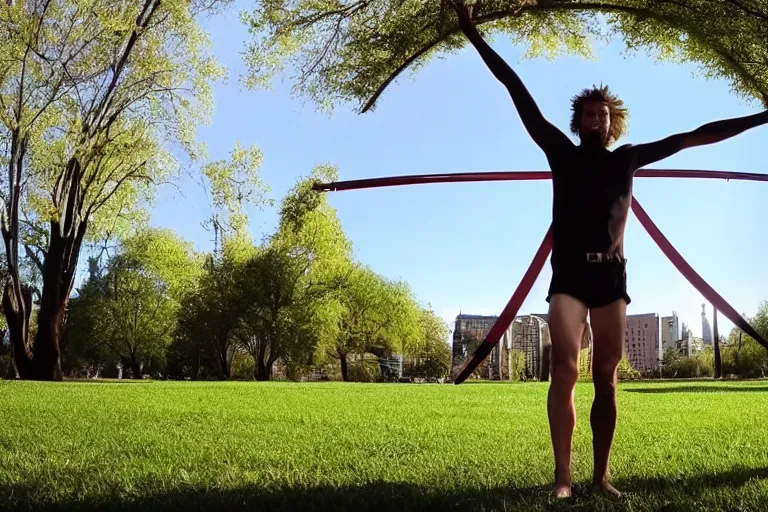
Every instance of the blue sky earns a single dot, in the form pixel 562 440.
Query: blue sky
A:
pixel 464 247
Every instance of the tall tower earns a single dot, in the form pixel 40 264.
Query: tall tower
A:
pixel 670 331
pixel 706 330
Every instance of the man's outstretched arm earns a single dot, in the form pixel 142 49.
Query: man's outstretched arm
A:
pixel 544 133
pixel 709 133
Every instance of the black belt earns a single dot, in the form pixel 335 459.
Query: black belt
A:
pixel 603 257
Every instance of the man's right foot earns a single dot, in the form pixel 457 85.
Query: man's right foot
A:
pixel 605 489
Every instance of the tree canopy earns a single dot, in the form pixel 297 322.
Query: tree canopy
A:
pixel 351 50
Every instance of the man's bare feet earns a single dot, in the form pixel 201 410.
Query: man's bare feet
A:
pixel 605 489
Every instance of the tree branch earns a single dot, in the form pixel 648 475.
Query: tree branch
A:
pixel 34 257
pixel 141 21
pixel 99 203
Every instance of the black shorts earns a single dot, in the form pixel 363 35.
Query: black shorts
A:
pixel 594 284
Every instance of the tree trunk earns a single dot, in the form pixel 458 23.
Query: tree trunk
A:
pixel 718 360
pixel 344 367
pixel 263 370
pixel 47 354
pixel 17 297
pixel 264 361
pixel 17 317
pixel 136 369
pixel 261 367
pixel 196 365
pixel 43 361
pixel 225 363
pixel 271 359
pixel 66 237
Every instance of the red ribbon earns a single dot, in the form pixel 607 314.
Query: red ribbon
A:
pixel 695 279
pixel 423 179
pixel 511 309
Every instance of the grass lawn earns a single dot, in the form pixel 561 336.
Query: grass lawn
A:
pixel 335 446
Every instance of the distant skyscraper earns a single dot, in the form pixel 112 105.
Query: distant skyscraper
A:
pixel 670 331
pixel 706 329
pixel 686 332
pixel 641 343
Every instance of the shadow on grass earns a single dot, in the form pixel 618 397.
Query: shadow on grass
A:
pixel 698 389
pixel 690 493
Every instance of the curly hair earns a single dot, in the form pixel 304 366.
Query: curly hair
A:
pixel 616 109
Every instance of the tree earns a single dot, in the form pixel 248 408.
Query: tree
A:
pixel 207 335
pixel 432 358
pixel 377 316
pixel 93 94
pixel 718 371
pixel 517 365
pixel 233 185
pixel 128 313
pixel 278 320
pixel 625 370
pixel 669 362
pixel 205 339
pixel 350 51
pixel 676 365
pixel 704 363
pixel 266 300
pixel 136 318
pixel 585 365
pixel 287 284
pixel 83 351
pixel 744 356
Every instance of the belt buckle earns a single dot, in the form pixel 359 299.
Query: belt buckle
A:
pixel 593 257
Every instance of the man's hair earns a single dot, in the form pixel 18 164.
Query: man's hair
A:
pixel 616 109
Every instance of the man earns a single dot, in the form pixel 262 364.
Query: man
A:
pixel 592 192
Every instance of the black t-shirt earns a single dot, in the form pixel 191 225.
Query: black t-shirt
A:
pixel 592 193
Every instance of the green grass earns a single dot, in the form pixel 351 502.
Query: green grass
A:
pixel 334 446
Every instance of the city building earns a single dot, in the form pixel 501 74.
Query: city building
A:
pixel 687 333
pixel 469 331
pixel 641 342
pixel 670 331
pixel 706 329
pixel 690 346
pixel 528 334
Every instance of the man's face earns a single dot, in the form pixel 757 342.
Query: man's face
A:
pixel 595 122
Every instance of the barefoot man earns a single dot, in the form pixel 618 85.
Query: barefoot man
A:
pixel 592 190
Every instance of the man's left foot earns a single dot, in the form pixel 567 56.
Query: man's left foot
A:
pixel 606 490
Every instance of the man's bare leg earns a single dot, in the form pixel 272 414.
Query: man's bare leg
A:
pixel 608 330
pixel 567 320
